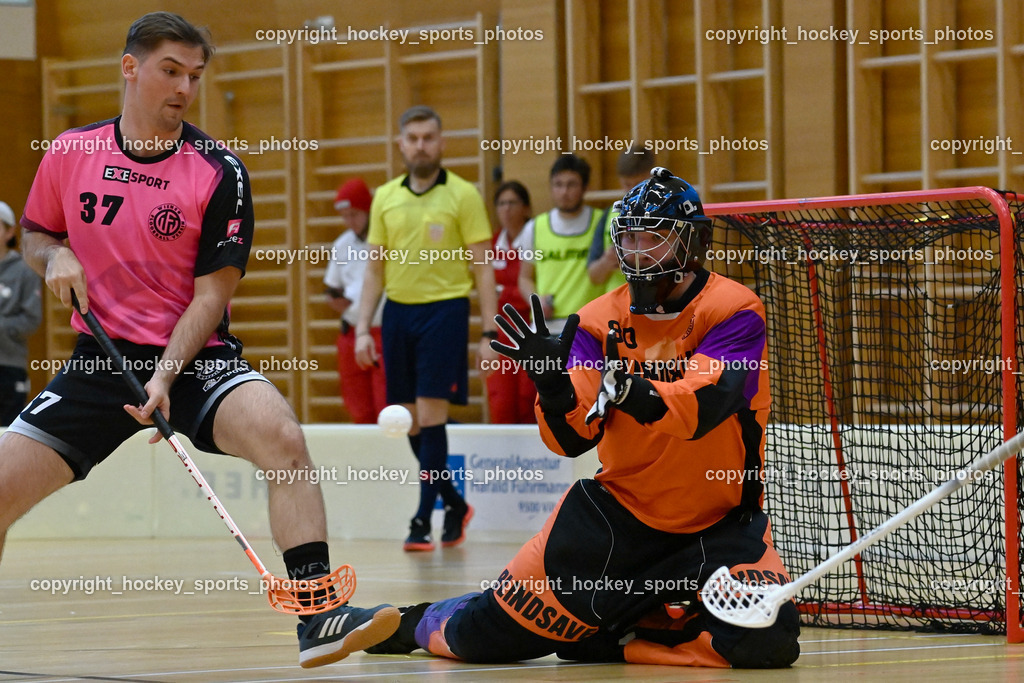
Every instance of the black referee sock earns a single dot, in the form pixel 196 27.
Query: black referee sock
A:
pixel 445 485
pixel 307 561
pixel 415 441
pixel 433 461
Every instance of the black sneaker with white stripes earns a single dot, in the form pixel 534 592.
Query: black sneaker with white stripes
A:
pixel 334 635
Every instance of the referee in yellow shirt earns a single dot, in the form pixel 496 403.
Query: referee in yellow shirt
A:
pixel 429 236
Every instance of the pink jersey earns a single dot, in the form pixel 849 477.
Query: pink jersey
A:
pixel 143 227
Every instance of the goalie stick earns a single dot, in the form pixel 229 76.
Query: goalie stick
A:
pixel 744 604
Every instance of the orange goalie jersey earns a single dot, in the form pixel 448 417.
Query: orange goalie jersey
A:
pixel 705 457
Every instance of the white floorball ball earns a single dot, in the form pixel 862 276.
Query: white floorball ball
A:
pixel 395 421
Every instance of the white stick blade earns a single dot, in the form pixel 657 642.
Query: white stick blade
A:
pixel 739 603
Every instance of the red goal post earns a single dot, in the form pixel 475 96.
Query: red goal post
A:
pixel 895 336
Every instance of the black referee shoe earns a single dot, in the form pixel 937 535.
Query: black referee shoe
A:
pixel 419 536
pixel 455 523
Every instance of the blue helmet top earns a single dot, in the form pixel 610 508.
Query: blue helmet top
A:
pixel 663 195
pixel 660 235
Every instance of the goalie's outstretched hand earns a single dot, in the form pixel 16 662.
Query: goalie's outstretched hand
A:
pixel 541 354
pixel 632 394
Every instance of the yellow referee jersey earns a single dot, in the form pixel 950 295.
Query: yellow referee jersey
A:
pixel 425 237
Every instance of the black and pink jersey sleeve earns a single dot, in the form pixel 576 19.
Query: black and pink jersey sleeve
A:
pixel 228 224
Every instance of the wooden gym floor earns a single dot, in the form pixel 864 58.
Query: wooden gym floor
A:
pixel 118 624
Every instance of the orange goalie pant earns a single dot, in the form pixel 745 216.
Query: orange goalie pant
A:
pixel 593 585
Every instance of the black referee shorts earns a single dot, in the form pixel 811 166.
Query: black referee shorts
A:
pixel 426 350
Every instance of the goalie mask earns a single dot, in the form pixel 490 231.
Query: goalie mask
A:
pixel 660 235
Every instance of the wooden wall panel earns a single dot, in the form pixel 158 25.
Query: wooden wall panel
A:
pixel 952 77
pixel 838 117
pixel 532 95
pixel 708 105
pixel 814 99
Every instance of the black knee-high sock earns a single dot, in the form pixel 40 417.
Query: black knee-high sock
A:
pixel 433 463
pixel 449 494
pixel 414 442
pixel 446 487
pixel 307 561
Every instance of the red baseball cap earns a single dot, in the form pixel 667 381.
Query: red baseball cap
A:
pixel 353 193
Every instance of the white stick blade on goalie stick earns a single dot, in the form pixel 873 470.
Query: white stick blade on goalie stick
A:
pixel 754 606
pixel 308 596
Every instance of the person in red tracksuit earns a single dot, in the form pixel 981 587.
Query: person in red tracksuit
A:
pixel 510 391
pixel 363 390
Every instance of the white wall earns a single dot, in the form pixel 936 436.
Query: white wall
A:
pixel 144 491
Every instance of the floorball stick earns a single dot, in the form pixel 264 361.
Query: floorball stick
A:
pixel 753 606
pixel 309 596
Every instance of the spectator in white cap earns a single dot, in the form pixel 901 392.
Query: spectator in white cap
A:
pixel 363 390
pixel 20 315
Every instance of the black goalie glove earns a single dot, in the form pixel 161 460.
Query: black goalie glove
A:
pixel 632 394
pixel 541 354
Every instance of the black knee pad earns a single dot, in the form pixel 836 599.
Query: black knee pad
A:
pixel 774 647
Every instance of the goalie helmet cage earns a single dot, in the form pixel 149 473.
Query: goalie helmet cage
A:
pixel 894 336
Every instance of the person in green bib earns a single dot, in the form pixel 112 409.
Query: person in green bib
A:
pixel 633 167
pixel 555 265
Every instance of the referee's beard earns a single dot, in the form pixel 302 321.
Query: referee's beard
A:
pixel 424 170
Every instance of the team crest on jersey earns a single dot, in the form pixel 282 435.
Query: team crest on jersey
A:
pixel 167 222
pixel 436 231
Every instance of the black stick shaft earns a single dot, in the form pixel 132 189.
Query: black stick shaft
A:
pixel 108 347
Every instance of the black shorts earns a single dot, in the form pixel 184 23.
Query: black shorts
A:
pixel 80 414
pixel 426 350
pixel 607 568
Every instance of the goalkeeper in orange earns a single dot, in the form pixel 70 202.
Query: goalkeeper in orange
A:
pixel 667 378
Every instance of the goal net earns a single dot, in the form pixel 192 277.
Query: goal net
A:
pixel 894 332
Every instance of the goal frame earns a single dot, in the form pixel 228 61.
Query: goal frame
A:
pixel 1008 344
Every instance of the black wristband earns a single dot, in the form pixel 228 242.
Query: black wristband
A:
pixel 489 334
